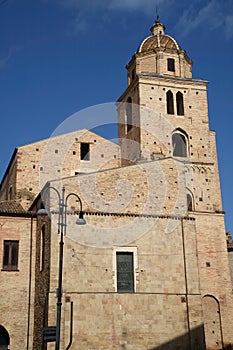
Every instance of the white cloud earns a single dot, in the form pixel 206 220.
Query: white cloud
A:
pixel 80 24
pixel 229 26
pixel 191 17
pixel 210 16
pixel 85 9
pixel 146 6
pixel 4 60
pixel 143 5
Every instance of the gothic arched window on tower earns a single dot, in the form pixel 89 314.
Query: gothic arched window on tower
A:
pixel 189 202
pixel 129 114
pixel 179 103
pixel 170 103
pixel 171 64
pixel 179 144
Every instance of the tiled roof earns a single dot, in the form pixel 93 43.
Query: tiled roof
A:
pixel 155 41
pixel 11 207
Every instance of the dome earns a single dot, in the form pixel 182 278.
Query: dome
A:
pixel 155 41
pixel 158 39
pixel 159 54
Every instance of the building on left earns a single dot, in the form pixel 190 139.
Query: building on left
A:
pixel 24 275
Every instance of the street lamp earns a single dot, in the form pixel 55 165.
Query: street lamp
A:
pixel 62 203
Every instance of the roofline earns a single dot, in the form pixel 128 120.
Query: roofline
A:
pixel 144 215
pixel 62 134
pixel 195 80
pixel 46 139
pixel 8 167
pixel 186 161
pixel 26 214
pixel 136 80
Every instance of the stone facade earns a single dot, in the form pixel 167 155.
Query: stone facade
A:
pixel 33 165
pixel 17 282
pixel 150 268
pixel 166 283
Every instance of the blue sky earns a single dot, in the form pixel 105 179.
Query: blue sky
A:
pixel 60 56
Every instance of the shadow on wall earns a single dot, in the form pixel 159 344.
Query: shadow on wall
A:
pixel 193 341
pixel 190 341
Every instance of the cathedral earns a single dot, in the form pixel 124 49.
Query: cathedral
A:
pixel 122 245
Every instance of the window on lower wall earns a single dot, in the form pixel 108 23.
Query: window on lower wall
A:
pixel 10 255
pixel 125 272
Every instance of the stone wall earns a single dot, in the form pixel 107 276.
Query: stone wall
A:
pixel 17 286
pixel 35 164
pixel 165 308
pixel 42 278
pixel 215 280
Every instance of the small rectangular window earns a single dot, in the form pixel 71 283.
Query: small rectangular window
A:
pixel 171 64
pixel 10 255
pixel 125 272
pixel 85 151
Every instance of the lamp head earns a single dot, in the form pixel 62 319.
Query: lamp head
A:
pixel 42 211
pixel 81 220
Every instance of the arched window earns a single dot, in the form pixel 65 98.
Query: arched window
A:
pixel 179 144
pixel 212 320
pixel 129 117
pixel 189 202
pixel 170 103
pixel 4 338
pixel 179 103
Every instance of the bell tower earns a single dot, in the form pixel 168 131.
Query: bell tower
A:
pixel 164 113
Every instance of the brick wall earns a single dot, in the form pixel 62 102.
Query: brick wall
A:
pixel 17 287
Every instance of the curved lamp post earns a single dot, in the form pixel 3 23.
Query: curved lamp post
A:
pixel 62 203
